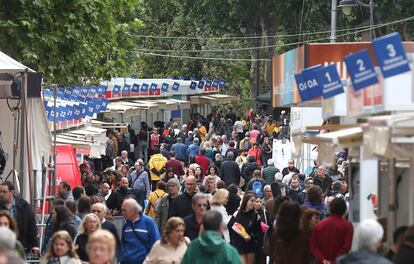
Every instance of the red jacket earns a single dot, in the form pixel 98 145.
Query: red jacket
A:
pixel 331 238
pixel 257 154
pixel 204 163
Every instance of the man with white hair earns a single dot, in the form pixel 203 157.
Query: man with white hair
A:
pixel 370 234
pixel 125 159
pixel 139 233
pixel 270 171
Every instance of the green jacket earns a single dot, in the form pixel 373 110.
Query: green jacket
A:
pixel 210 248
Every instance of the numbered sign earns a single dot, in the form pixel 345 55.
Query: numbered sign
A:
pixel 193 85
pixel 329 80
pixel 144 87
pixel 307 83
pixel 126 90
pixel 176 86
pixel 361 69
pixel 153 88
pixel 200 85
pixel 164 87
pixel 135 89
pixel 391 55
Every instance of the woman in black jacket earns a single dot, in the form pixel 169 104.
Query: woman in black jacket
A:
pixel 234 199
pixel 250 221
pixel 63 219
pixel 90 224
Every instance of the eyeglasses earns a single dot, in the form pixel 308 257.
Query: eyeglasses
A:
pixel 201 205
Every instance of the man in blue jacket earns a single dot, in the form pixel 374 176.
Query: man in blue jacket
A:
pixel 139 233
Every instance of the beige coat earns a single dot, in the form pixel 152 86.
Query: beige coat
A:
pixel 166 254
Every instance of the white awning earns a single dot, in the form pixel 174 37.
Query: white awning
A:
pixel 10 65
pixel 343 137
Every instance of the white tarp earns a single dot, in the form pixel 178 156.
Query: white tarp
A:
pixel 34 139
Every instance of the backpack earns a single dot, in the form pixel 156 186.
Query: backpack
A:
pixel 257 187
pixel 246 144
pixel 156 202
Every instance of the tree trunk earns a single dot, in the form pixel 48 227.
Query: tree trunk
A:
pixel 253 64
pixel 268 25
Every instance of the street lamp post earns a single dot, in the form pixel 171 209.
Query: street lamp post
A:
pixel 347 5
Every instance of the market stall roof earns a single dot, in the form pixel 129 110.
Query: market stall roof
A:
pixel 10 65
pixel 87 137
pixel 349 136
pixel 106 125
pixel 213 99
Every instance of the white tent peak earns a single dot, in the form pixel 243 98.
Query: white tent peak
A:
pixel 10 65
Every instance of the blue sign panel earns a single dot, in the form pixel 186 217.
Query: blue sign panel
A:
pixel 69 112
pixel 308 84
pixel 361 69
pixel 391 55
pixel 193 85
pixel 101 90
pixel 329 81
pixel 215 84
pixel 90 109
pixel 67 93
pixel 144 87
pixel 84 91
pixel 176 86
pixel 200 85
pixel 135 88
pixel 61 93
pixel 208 84
pixel 117 89
pixel 76 90
pixel 83 108
pixel 181 78
pixel 77 111
pixel 164 87
pixel 126 90
pixel 221 83
pixel 153 87
pixel 92 92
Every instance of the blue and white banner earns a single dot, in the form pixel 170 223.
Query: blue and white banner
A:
pixel 361 69
pixel 144 87
pixel 176 86
pixel 329 80
pixel 126 90
pixel 200 85
pixel 153 87
pixel 164 87
pixel 391 55
pixel 308 84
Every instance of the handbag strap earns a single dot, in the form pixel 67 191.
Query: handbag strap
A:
pixel 138 237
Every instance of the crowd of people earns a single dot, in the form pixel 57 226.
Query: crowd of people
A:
pixel 203 192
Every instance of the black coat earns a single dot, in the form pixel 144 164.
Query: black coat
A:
pixel 247 170
pixel 116 199
pixel 230 172
pixel 404 256
pixel 81 242
pixel 69 225
pixel 233 203
pixel 182 205
pixel 112 228
pixel 192 230
pixel 26 223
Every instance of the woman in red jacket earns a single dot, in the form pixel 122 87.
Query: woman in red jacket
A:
pixel 256 152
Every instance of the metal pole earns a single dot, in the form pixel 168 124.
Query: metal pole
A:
pixel 333 21
pixel 54 142
pixel 257 62
pixel 371 19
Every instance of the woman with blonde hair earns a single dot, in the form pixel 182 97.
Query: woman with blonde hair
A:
pixel 61 250
pixel 172 245
pixel 101 247
pixel 218 203
pixel 89 225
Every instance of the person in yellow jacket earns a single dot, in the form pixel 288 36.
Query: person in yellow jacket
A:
pixel 270 125
pixel 157 168
pixel 154 199
pixel 202 130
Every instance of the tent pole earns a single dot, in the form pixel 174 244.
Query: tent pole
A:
pixel 53 183
pixel 20 181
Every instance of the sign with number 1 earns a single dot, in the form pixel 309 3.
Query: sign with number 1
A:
pixel 391 55
pixel 329 80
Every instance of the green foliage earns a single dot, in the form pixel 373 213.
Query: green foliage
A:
pixel 69 40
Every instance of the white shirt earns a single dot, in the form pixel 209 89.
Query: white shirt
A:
pixel 226 218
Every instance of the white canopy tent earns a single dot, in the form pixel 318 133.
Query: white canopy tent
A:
pixel 32 134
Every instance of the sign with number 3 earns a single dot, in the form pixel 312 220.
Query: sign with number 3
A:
pixel 391 55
